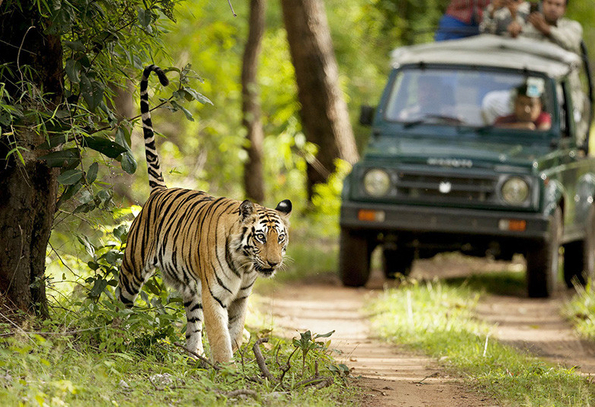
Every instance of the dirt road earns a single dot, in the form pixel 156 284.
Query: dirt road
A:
pixel 395 377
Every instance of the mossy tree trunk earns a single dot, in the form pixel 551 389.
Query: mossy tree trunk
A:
pixel 28 187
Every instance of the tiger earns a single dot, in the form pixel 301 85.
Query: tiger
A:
pixel 210 249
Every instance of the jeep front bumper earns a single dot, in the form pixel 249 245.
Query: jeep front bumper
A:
pixel 422 219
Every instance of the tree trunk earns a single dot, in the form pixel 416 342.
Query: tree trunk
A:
pixel 325 119
pixel 253 171
pixel 29 189
pixel 27 209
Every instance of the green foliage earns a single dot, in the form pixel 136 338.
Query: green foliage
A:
pixel 94 300
pixel 105 44
pixel 439 319
pixel 307 343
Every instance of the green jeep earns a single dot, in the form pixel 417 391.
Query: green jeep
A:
pixel 452 165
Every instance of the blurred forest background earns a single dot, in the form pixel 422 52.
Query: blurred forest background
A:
pixel 208 151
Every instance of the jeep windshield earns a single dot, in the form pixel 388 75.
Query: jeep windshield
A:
pixel 510 101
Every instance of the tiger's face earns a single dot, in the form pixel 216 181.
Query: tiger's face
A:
pixel 266 236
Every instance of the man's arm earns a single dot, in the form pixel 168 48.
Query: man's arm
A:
pixel 568 34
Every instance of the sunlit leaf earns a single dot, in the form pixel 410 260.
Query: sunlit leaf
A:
pixel 177 106
pixel 326 335
pixel 128 162
pixel 197 96
pixel 84 240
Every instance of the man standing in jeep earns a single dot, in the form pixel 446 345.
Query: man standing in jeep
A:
pixel 550 24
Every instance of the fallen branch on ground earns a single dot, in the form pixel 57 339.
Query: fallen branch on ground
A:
pixel 204 360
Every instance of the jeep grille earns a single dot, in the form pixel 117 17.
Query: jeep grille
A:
pixel 447 188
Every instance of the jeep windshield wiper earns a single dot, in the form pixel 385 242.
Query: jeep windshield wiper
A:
pixel 433 118
pixel 479 130
pixel 484 129
pixel 413 123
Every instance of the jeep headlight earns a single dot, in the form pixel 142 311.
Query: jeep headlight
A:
pixel 377 182
pixel 515 191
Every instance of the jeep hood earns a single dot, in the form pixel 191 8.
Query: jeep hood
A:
pixel 455 153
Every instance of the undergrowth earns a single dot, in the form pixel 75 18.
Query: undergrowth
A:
pixel 438 319
pixel 95 352
pixel 118 358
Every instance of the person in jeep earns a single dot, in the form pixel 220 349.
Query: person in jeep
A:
pixel 549 24
pixel 528 111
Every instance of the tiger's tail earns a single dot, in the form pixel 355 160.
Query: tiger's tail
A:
pixel 153 163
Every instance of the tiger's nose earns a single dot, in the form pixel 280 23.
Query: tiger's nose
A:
pixel 272 264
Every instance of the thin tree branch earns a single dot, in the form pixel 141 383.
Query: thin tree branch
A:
pixel 231 7
pixel 260 359
pixel 199 357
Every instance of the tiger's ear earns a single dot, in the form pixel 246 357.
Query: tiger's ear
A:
pixel 246 209
pixel 284 207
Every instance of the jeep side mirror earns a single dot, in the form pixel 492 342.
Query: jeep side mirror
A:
pixel 366 115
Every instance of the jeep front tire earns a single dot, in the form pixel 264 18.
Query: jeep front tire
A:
pixel 543 260
pixel 579 256
pixel 355 250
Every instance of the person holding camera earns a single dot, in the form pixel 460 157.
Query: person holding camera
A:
pixel 548 23
pixel 499 15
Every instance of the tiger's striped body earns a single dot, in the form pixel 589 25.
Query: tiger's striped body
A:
pixel 209 249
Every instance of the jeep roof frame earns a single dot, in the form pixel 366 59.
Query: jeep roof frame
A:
pixel 488 50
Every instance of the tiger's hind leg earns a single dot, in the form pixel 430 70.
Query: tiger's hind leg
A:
pixel 189 290
pixel 130 283
pixel 194 319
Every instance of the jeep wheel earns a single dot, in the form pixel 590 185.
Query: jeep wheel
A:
pixel 354 258
pixel 397 261
pixel 542 261
pixel 579 256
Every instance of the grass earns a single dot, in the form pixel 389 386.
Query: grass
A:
pixel 499 283
pixel 438 319
pixel 60 368
pixel 581 311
